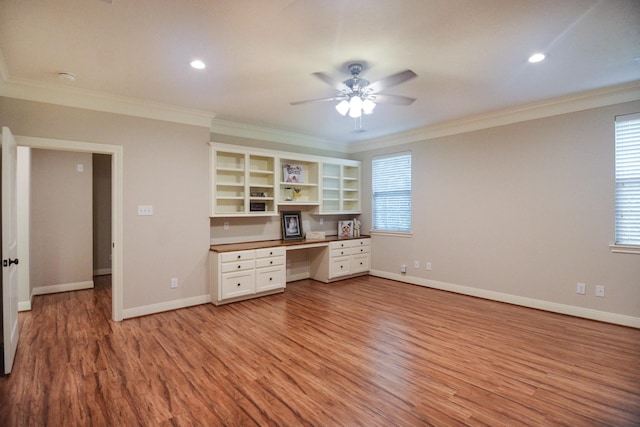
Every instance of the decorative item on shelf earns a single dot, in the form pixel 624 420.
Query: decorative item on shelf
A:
pixel 297 193
pixel 258 194
pixel 292 173
pixel 315 235
pixel 345 229
pixel 291 226
pixel 288 194
pixel 257 207
pixel 356 227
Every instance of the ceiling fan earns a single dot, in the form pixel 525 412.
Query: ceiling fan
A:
pixel 357 95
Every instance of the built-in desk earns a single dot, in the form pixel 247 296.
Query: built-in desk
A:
pixel 251 269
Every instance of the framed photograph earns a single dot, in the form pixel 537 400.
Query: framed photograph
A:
pixel 345 229
pixel 291 225
pixel 292 173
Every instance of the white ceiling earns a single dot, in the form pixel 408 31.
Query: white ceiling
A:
pixel 470 55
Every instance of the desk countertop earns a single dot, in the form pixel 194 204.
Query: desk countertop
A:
pixel 259 244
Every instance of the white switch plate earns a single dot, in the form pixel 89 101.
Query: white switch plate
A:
pixel 428 266
pixel 416 264
pixel 80 167
pixel 145 210
pixel 225 225
pixel 174 282
pixel 600 291
pixel 581 288
pixel 321 221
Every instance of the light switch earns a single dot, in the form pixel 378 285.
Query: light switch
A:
pixel 145 210
pixel 80 167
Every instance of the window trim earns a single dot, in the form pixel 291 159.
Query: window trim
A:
pixel 394 233
pixel 621 247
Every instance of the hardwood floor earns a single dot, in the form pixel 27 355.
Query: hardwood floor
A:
pixel 365 351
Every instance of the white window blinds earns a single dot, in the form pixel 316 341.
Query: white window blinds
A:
pixel 391 185
pixel 628 180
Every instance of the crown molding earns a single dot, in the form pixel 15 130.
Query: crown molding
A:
pixel 99 101
pixel 611 95
pixel 274 135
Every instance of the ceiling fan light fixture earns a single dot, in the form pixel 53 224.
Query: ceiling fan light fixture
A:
pixel 355 107
pixel 343 107
pixel 368 106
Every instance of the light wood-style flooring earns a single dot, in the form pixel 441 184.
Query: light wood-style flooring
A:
pixel 361 352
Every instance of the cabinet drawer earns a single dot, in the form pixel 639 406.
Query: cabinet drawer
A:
pixel 340 252
pixel 237 256
pixel 339 267
pixel 360 263
pixel 228 267
pixel 270 278
pixel 339 245
pixel 270 252
pixel 361 243
pixel 359 250
pixel 236 284
pixel 269 262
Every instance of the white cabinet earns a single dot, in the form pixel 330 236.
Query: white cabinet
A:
pixel 246 274
pixel 242 184
pixel 255 182
pixel 298 182
pixel 340 187
pixel 341 259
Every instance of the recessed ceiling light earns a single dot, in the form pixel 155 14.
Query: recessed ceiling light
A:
pixel 198 64
pixel 536 57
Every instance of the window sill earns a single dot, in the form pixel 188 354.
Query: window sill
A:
pixel 390 233
pixel 625 249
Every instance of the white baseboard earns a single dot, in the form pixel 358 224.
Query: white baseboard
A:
pixel 102 271
pixel 64 287
pixel 145 310
pixel 24 305
pixel 587 313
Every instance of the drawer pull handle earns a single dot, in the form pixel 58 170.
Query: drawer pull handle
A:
pixel 239 256
pixel 270 278
pixel 270 262
pixel 239 266
pixel 361 250
pixel 271 253
pixel 238 284
pixel 341 252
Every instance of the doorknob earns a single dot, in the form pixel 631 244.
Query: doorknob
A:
pixel 8 262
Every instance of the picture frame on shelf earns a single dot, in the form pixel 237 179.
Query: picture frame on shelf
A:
pixel 292 225
pixel 292 173
pixel 345 229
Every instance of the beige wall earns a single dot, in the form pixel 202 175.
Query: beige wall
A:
pixel 60 229
pixel 101 214
pixel 525 210
pixel 165 165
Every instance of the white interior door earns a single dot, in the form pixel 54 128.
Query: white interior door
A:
pixel 9 250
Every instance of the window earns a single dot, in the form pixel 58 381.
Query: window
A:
pixel 391 185
pixel 628 180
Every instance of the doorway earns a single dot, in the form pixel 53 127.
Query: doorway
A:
pixel 116 154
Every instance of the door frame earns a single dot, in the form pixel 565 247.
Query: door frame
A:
pixel 116 152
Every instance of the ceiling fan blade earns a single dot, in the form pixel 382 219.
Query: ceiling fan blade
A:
pixel 392 99
pixel 309 101
pixel 390 81
pixel 339 86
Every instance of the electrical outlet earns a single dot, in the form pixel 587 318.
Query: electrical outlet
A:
pixel 145 210
pixel 225 225
pixel 174 282
pixel 600 291
pixel 80 167
pixel 581 288
pixel 416 264
pixel 428 266
pixel 321 221
pixel 403 268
